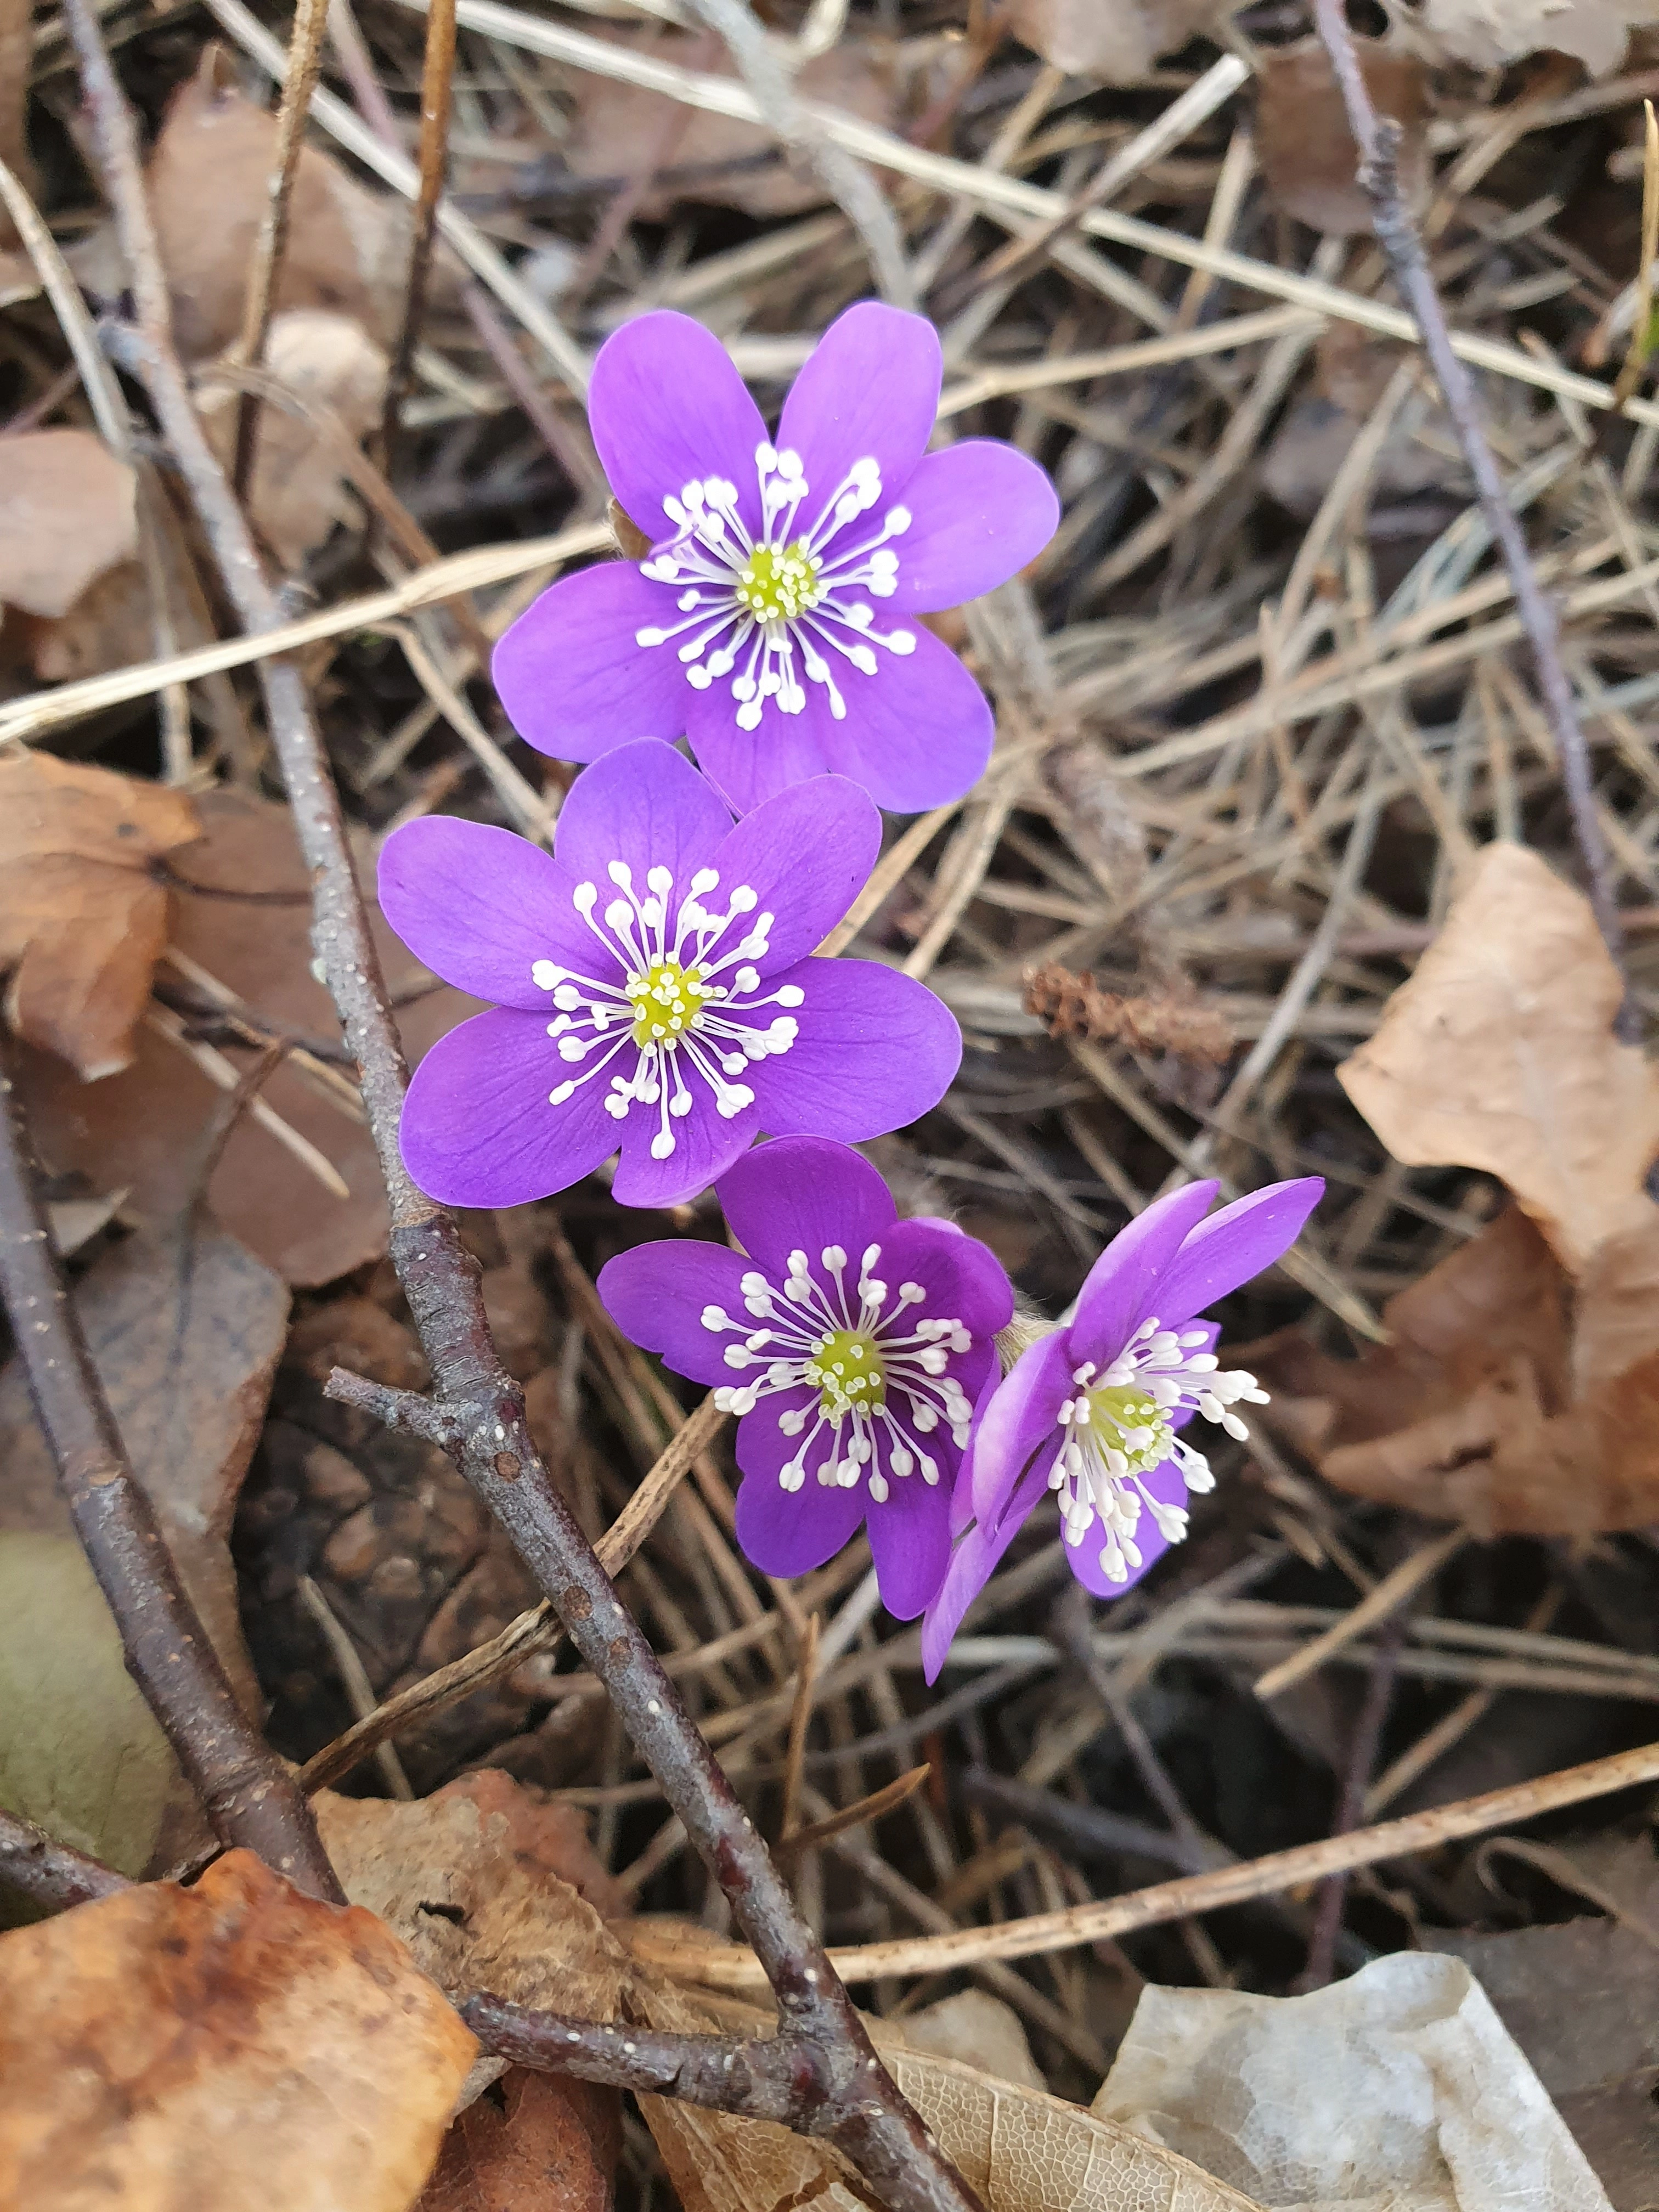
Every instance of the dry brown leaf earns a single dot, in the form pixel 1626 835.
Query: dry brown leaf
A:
pixel 19 279
pixel 467 1877
pixel 1117 39
pixel 185 1337
pixel 1481 1410
pixel 1418 454
pixel 1309 159
pixel 144 1129
pixel 1499 1054
pixel 1491 34
pixel 618 130
pixel 338 373
pixel 67 513
pixel 977 2030
pixel 348 249
pixel 1023 2150
pixel 536 2143
pixel 234 2045
pixel 81 919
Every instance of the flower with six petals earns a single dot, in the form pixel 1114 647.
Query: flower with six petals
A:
pixel 653 987
pixel 773 621
pixel 850 1345
pixel 1091 1411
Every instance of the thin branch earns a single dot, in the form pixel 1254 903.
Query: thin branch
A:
pixel 880 2132
pixel 304 56
pixel 49 1873
pixel 1378 138
pixel 782 2078
pixel 248 1792
pixel 437 92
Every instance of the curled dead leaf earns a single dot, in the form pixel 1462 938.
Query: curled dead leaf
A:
pixel 549 2141
pixel 67 513
pixel 82 917
pixel 235 2044
pixel 336 375
pixel 1510 1399
pixel 1499 1054
pixel 1492 34
pixel 208 181
pixel 241 922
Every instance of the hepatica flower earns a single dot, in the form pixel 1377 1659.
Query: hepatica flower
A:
pixel 773 621
pixel 653 987
pixel 1092 1411
pixel 850 1345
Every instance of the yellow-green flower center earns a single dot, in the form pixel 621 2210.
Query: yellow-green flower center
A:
pixel 1121 1417
pixel 777 582
pixel 666 999
pixel 849 1371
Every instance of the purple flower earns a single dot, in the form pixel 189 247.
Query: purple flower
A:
pixel 772 622
pixel 1091 1411
pixel 653 987
pixel 850 1344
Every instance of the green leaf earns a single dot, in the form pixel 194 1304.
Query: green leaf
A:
pixel 80 1754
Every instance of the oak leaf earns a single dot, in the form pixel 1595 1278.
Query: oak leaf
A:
pixel 82 916
pixel 68 512
pixel 233 2044
pixel 1499 1054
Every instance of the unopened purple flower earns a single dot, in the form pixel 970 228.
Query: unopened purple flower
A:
pixel 653 987
pixel 1091 1411
pixel 851 1346
pixel 773 621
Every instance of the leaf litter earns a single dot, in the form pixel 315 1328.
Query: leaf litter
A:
pixel 1276 816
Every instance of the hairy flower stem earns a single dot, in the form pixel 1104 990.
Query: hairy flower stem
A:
pixel 492 1446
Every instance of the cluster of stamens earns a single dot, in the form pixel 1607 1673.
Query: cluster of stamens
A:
pixel 862 1352
pixel 768 612
pixel 1119 1426
pixel 685 1005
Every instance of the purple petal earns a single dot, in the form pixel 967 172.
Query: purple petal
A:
pixel 573 679
pixel 800 1193
pixel 972 1564
pixel 917 733
pixel 480 906
pixel 980 511
pixel 1023 1418
pixel 910 1543
pixel 1114 1299
pixel 805 854
pixel 1233 1245
pixel 705 1146
pixel 477 1129
pixel 656 1293
pixel 647 806
pixel 667 409
pixel 963 1278
pixel 875 1051
pixel 962 1501
pixel 789 1532
pixel 870 389
pixel 1165 1484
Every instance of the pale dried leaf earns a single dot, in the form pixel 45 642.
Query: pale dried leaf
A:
pixel 144 1129
pixel 978 2030
pixel 67 513
pixel 338 373
pixel 1492 34
pixel 1499 1054
pixel 1117 39
pixel 1309 159
pixel 81 919
pixel 234 2045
